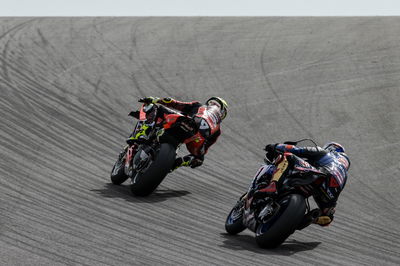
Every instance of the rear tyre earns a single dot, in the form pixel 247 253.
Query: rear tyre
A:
pixel 234 221
pixel 143 184
pixel 283 224
pixel 118 175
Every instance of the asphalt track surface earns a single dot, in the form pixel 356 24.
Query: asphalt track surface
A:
pixel 67 85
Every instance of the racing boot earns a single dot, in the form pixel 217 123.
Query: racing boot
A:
pixel 309 218
pixel 182 161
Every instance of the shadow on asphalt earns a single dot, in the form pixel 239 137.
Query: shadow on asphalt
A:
pixel 124 192
pixel 248 242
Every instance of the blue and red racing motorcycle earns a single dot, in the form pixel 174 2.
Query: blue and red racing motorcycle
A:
pixel 273 219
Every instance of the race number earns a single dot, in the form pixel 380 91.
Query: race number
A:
pixel 204 124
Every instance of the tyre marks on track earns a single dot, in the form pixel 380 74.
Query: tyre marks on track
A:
pixel 62 115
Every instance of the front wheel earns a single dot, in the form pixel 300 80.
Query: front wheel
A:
pixel 234 222
pixel 118 175
pixel 275 231
pixel 144 183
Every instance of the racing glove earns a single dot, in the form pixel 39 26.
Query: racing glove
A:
pixel 167 100
pixel 270 151
pixel 149 100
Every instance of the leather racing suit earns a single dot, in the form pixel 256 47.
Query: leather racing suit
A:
pixel 207 118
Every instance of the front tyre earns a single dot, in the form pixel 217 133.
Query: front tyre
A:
pixel 118 175
pixel 143 184
pixel 275 231
pixel 234 222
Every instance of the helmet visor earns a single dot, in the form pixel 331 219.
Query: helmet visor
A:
pixel 214 102
pixel 219 106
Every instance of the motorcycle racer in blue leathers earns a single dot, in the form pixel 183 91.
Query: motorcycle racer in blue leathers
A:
pixel 330 160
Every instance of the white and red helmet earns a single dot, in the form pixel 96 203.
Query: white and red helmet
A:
pixel 221 103
pixel 333 146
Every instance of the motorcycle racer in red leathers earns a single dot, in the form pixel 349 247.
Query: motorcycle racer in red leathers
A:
pixel 208 118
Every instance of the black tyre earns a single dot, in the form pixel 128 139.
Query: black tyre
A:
pixel 143 184
pixel 283 224
pixel 118 175
pixel 234 221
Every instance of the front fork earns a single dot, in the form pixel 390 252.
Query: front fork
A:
pixel 130 153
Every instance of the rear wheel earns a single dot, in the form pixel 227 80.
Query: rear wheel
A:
pixel 274 232
pixel 234 221
pixel 143 184
pixel 118 175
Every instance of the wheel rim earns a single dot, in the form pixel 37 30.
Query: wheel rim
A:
pixel 117 166
pixel 235 215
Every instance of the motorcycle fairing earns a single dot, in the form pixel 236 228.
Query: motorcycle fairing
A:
pixel 142 113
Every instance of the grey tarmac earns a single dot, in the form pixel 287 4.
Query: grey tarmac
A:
pixel 67 85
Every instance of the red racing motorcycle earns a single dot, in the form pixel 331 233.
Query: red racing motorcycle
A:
pixel 274 219
pixel 147 163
